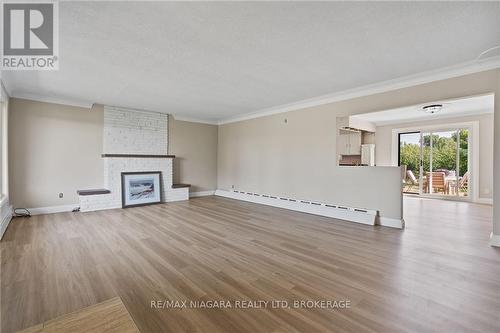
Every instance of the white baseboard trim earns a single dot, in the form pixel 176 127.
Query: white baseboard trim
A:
pixel 5 219
pixel 494 240
pixel 486 201
pixel 201 194
pixel 364 216
pixel 390 222
pixel 53 209
pixel 101 208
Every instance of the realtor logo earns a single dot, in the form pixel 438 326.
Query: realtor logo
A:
pixel 29 36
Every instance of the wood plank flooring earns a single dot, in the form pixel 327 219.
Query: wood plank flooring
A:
pixel 438 275
pixel 109 316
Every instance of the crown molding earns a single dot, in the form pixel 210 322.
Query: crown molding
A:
pixel 381 87
pixel 54 100
pixel 195 120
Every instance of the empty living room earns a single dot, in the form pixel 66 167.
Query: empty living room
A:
pixel 249 166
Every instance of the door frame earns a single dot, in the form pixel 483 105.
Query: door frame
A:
pixel 473 127
pixel 399 143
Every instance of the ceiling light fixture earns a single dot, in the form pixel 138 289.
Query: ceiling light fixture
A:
pixel 433 108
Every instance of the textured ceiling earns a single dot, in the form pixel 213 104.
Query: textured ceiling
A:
pixel 219 60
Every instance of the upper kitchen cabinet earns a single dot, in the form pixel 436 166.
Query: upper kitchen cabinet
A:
pixel 349 142
pixel 355 142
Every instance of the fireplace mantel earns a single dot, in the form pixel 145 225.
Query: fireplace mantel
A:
pixel 137 156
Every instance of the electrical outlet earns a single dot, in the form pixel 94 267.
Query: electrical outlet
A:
pixel 61 195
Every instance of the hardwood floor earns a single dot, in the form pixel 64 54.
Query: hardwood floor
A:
pixel 109 316
pixel 438 275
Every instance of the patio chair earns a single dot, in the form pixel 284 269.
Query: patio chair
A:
pixel 439 183
pixel 463 183
pixel 410 181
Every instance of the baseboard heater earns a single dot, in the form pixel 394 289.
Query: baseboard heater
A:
pixel 359 215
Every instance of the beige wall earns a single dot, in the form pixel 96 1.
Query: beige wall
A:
pixel 195 148
pixel 297 159
pixel 57 148
pixel 384 146
pixel 53 148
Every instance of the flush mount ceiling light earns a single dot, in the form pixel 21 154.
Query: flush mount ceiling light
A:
pixel 433 108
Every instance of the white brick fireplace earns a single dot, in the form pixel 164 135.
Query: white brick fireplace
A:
pixel 133 140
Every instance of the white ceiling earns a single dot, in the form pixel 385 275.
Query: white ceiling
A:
pixel 220 60
pixel 451 109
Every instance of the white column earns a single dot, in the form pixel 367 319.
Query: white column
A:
pixel 495 235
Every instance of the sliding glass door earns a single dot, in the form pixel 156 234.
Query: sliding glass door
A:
pixel 436 163
pixel 440 162
pixel 426 148
pixel 463 185
pixel 409 158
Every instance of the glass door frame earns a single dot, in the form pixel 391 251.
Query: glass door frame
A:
pixel 431 131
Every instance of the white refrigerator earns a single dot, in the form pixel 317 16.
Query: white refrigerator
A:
pixel 368 154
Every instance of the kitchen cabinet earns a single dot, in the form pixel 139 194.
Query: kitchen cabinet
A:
pixel 349 142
